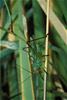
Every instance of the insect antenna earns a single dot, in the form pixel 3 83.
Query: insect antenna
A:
pixel 23 68
pixel 14 96
pixel 25 80
pixel 19 83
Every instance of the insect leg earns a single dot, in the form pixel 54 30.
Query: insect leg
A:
pixel 19 83
pixel 23 68
pixel 41 76
pixel 42 69
pixel 25 49
pixel 46 72
pixel 45 55
pixel 38 38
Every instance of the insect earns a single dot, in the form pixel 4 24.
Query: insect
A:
pixel 36 55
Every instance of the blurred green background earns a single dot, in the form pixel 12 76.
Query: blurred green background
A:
pixel 16 81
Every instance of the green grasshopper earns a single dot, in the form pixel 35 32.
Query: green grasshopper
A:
pixel 36 54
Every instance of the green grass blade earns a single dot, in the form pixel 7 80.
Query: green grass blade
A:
pixel 24 61
pixel 63 7
pixel 7 8
pixel 2 28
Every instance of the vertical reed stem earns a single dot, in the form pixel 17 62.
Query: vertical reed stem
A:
pixel 46 50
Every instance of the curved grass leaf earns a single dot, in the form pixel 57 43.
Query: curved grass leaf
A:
pixel 5 52
pixel 7 8
pixel 10 45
